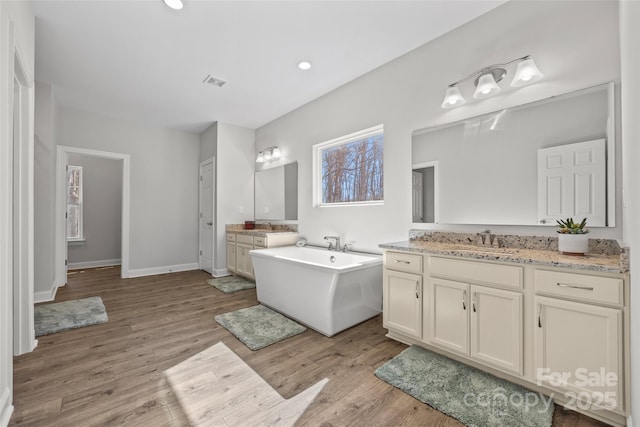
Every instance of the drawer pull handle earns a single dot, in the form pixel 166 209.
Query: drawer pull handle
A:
pixel 401 261
pixel 566 285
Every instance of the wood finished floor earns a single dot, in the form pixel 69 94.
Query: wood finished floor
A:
pixel 112 374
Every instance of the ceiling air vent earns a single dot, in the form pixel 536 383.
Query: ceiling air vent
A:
pixel 214 81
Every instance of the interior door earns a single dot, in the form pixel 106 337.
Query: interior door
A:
pixel 206 216
pixel 572 183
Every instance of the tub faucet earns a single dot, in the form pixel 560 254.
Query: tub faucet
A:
pixel 337 241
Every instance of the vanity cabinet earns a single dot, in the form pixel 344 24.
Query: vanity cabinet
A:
pixel 578 337
pixel 402 293
pixel 476 321
pixel 239 244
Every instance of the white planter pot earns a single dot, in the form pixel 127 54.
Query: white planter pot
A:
pixel 573 244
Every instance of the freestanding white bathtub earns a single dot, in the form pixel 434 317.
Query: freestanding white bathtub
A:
pixel 326 290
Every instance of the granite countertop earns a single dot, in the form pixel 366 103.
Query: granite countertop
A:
pixel 609 263
pixel 262 229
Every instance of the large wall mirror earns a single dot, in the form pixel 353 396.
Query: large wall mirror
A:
pixel 526 165
pixel 276 197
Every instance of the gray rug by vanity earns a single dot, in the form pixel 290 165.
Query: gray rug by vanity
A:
pixel 470 395
pixel 258 326
pixel 231 284
pixel 62 316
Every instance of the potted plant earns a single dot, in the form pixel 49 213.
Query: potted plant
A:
pixel 572 237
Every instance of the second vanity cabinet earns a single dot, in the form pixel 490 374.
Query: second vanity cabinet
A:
pixel 240 243
pixel 560 331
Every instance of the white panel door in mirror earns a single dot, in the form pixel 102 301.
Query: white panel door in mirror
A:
pixel 572 183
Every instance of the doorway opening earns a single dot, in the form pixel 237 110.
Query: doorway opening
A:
pixel 64 155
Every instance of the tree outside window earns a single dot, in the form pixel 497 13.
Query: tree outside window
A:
pixel 349 170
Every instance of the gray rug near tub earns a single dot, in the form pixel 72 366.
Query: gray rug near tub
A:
pixel 470 395
pixel 62 316
pixel 231 284
pixel 258 326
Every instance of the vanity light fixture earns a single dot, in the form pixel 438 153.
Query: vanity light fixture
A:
pixel 269 154
pixel 174 4
pixel 487 79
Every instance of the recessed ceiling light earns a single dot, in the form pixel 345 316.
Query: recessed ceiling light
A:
pixel 174 4
pixel 304 65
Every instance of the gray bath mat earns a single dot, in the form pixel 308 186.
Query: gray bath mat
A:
pixel 470 395
pixel 231 284
pixel 62 316
pixel 258 326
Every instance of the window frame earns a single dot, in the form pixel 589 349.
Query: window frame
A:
pixel 80 204
pixel 317 165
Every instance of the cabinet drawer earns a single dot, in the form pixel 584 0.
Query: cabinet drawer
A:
pixel 231 237
pixel 402 261
pixel 243 238
pixel 477 272
pixel 605 290
pixel 259 241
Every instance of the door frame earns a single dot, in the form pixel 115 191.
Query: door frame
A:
pixel 62 155
pixel 23 221
pixel 200 218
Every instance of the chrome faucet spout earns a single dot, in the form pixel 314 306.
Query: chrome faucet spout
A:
pixel 331 245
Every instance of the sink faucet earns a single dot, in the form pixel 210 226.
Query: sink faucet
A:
pixel 486 238
pixel 337 241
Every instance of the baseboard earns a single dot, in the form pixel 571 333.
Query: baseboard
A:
pixel 6 408
pixel 46 296
pixel 629 421
pixel 93 264
pixel 221 272
pixel 163 270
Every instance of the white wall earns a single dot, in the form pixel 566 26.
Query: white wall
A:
pixel 17 24
pixel 235 164
pixel 575 44
pixel 44 191
pixel 164 185
pixel 101 210
pixel 630 64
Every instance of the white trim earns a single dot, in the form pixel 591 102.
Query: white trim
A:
pixel 317 165
pixel 221 272
pixel 6 408
pixel 23 188
pixel 629 421
pixel 163 270
pixel 93 264
pixel 46 296
pixel 61 240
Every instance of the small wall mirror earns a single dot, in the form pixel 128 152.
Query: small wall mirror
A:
pixel 497 168
pixel 276 193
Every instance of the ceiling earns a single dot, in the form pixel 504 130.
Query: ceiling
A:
pixel 139 60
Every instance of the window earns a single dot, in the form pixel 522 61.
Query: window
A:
pixel 74 203
pixel 349 170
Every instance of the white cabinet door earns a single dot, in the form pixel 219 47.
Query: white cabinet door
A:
pixel 572 182
pixel 448 315
pixel 578 348
pixel 402 300
pixel 243 260
pixel 496 328
pixel 231 256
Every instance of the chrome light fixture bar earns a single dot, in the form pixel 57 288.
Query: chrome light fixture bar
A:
pixel 269 154
pixel 487 79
